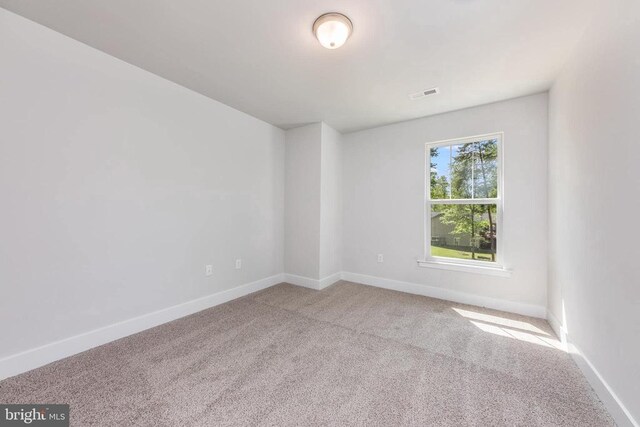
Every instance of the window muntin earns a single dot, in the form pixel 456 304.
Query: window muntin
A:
pixel 464 207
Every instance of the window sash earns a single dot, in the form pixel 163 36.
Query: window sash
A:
pixel 429 202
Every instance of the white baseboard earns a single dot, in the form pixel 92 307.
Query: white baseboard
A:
pixel 614 405
pixel 315 284
pixel 36 357
pixel 330 280
pixel 558 328
pixel 418 289
pixel 447 294
pixel 305 282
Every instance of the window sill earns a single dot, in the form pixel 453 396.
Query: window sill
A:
pixel 497 270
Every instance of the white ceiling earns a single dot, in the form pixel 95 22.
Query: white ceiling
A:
pixel 260 56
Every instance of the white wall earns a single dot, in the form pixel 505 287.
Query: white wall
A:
pixel 302 206
pixel 313 213
pixel 594 196
pixel 117 187
pixel 383 196
pixel 331 202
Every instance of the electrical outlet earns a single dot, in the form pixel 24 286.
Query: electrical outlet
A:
pixel 238 264
pixel 380 258
pixel 208 270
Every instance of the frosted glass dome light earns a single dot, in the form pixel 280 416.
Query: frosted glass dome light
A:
pixel 332 29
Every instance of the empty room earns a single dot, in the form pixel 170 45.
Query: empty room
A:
pixel 329 213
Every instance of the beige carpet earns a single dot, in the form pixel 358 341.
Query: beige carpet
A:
pixel 348 355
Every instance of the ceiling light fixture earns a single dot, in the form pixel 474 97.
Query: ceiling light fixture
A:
pixel 332 29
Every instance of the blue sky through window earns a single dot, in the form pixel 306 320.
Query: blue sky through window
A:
pixel 442 161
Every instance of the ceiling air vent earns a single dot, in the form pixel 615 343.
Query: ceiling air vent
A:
pixel 423 93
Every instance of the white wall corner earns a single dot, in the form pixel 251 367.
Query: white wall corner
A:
pixel 33 358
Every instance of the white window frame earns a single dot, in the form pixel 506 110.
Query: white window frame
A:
pixel 493 268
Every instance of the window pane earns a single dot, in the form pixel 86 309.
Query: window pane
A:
pixel 440 158
pixel 464 171
pixel 485 169
pixel 465 231
pixel 462 158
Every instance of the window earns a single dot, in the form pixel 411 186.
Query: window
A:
pixel 464 201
